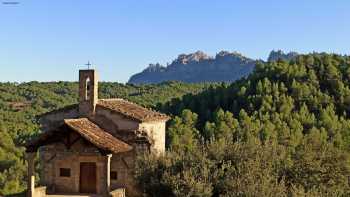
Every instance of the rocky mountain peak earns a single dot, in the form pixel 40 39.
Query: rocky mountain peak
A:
pixel 154 68
pixel 227 53
pixel 192 57
pixel 279 54
pixel 198 67
pixel 226 56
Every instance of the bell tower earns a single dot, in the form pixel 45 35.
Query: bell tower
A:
pixel 88 92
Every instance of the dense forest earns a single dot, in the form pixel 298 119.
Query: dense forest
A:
pixel 282 131
pixel 21 103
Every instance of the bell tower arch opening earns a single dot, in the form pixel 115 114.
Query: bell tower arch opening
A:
pixel 87 88
pixel 88 92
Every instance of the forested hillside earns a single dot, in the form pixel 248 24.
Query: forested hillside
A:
pixel 20 103
pixel 283 131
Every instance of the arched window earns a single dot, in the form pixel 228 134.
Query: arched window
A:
pixel 88 88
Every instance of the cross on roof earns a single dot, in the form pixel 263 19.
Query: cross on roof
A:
pixel 88 64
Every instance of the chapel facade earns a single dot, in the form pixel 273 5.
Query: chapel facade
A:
pixel 91 147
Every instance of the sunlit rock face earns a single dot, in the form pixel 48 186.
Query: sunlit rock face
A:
pixel 198 67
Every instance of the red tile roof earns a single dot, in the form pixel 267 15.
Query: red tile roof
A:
pixel 97 136
pixel 131 110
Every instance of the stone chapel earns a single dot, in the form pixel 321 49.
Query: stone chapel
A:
pixel 90 147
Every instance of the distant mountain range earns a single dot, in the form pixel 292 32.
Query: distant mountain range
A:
pixel 199 67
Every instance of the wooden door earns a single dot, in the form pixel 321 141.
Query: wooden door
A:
pixel 88 177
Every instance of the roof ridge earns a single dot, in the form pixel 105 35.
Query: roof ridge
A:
pixel 108 99
pixel 132 110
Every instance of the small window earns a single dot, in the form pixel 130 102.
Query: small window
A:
pixel 64 172
pixel 114 175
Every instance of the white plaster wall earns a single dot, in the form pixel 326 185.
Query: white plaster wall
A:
pixel 156 131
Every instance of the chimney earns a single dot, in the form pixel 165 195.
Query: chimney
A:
pixel 88 92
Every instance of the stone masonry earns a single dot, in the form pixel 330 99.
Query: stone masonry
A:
pixel 91 147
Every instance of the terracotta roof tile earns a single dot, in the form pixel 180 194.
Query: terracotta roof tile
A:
pixel 131 110
pixel 97 136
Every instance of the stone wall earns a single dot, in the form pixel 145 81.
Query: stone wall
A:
pixel 88 92
pixel 39 192
pixel 54 119
pixel 120 121
pixel 58 184
pixel 123 165
pixel 118 125
pixel 56 156
pixel 147 136
pixel 120 192
pixel 156 132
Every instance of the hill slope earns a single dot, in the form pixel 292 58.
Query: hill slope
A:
pixel 198 67
pixel 282 131
pixel 20 103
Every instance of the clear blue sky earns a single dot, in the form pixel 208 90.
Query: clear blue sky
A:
pixel 45 40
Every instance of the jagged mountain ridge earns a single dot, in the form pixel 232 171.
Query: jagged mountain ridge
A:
pixel 280 55
pixel 198 67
